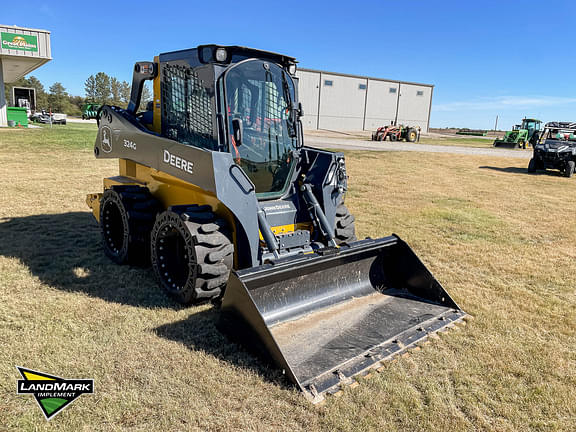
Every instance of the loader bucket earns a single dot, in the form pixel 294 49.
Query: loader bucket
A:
pixel 325 318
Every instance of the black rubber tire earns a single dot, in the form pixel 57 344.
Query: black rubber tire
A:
pixel 569 170
pixel 381 137
pixel 191 253
pixel 393 137
pixel 532 166
pixel 345 230
pixel 127 214
pixel 411 135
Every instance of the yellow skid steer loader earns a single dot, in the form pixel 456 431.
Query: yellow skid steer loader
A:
pixel 218 192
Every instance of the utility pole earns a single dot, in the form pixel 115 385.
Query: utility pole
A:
pixel 496 124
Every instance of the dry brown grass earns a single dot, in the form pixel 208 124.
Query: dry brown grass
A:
pixel 502 243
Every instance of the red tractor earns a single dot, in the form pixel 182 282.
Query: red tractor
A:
pixel 397 133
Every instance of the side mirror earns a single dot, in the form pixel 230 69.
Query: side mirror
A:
pixel 237 130
pixel 300 110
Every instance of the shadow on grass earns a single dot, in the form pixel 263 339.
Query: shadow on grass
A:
pixel 516 170
pixel 512 170
pixel 198 332
pixel 64 251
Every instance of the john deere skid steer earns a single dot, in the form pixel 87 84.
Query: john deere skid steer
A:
pixel 218 192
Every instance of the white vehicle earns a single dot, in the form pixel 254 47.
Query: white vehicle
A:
pixel 44 117
pixel 58 118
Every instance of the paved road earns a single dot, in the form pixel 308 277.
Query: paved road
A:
pixel 79 120
pixel 358 144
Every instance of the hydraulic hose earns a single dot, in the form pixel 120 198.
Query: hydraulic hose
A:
pixel 318 214
pixel 267 233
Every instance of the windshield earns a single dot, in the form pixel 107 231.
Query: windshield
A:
pixel 529 125
pixel 261 95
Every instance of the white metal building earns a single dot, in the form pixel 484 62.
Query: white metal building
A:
pixel 21 51
pixel 336 101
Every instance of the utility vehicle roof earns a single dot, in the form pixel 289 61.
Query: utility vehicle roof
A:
pixel 561 125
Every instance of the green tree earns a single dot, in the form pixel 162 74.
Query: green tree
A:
pixel 125 93
pixel 115 87
pixel 77 102
pixel 102 89
pixel 58 97
pixel 90 89
pixel 41 95
pixel 105 89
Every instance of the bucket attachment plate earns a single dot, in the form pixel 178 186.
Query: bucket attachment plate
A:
pixel 324 319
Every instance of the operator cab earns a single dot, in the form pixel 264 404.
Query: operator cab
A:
pixel 530 125
pixel 253 94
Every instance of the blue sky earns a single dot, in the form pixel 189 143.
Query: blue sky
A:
pixel 481 65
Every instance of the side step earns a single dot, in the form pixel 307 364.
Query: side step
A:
pixel 325 319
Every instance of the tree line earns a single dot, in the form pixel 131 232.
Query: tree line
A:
pixel 56 98
pixel 99 88
pixel 107 90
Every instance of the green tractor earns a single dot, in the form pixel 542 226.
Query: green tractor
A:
pixel 90 111
pixel 520 135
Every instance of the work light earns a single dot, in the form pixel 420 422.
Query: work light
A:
pixel 221 55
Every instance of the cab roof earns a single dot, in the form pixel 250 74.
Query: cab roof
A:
pixel 234 54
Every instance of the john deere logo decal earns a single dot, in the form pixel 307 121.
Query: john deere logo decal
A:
pixel 106 139
pixel 52 393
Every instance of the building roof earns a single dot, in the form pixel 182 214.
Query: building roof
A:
pixel 364 77
pixel 15 27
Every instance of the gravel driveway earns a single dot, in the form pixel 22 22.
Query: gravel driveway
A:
pixel 358 144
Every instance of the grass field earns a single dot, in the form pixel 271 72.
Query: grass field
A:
pixel 503 244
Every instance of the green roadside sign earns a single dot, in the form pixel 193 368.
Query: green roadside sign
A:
pixel 19 42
